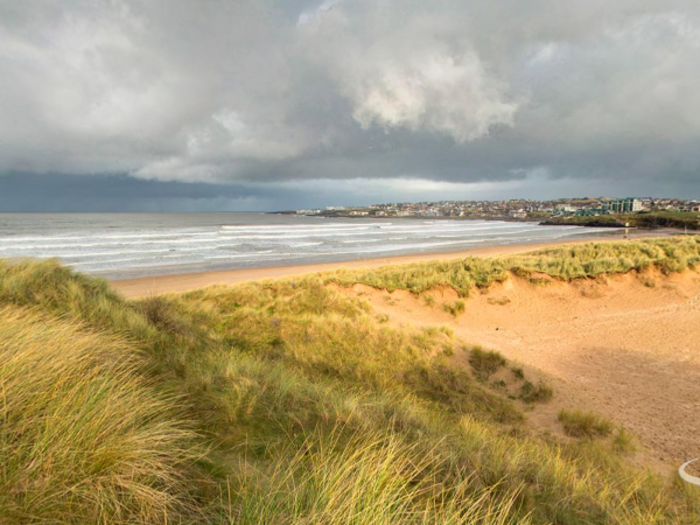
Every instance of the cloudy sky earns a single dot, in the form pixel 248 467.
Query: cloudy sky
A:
pixel 155 105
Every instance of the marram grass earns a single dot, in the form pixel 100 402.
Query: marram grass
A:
pixel 83 437
pixel 287 402
pixel 576 261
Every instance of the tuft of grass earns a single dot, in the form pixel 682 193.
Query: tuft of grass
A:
pixel 457 308
pixel 623 441
pixel 485 363
pixel 536 394
pixel 429 300
pixel 584 424
pixel 648 282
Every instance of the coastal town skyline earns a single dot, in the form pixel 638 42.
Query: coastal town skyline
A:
pixel 513 208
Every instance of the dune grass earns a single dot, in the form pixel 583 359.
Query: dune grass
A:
pixel 81 434
pixel 289 402
pixel 584 424
pixel 485 362
pixel 670 254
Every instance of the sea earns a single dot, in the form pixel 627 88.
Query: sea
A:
pixel 128 245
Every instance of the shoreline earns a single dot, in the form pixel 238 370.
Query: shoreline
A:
pixel 185 282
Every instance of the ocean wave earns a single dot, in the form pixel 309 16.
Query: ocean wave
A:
pixel 306 226
pixel 304 236
pixel 359 241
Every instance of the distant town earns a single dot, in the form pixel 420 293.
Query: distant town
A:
pixel 514 208
pixel 601 211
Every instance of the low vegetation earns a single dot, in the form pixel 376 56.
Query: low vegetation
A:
pixel 646 219
pixel 82 433
pixel 485 362
pixel 290 402
pixel 535 394
pixel 457 308
pixel 584 424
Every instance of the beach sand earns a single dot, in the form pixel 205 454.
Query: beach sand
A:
pixel 145 286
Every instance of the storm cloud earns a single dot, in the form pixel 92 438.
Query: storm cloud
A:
pixel 276 104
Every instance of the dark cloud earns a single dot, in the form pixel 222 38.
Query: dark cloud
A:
pixel 240 104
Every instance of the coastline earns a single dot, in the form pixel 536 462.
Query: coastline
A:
pixel 180 283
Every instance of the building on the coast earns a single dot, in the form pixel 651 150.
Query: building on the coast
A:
pixel 566 208
pixel 628 205
pixel 592 212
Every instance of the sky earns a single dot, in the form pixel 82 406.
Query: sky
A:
pixel 238 105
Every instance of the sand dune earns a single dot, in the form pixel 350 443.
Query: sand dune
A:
pixel 625 346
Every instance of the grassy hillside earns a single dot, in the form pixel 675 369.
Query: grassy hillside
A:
pixel 289 402
pixel 645 219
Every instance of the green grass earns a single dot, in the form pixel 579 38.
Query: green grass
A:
pixel 81 433
pixel 536 394
pixel 290 402
pixel 645 219
pixel 623 442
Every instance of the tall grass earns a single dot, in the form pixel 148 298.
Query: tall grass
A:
pixel 370 479
pixel 84 439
